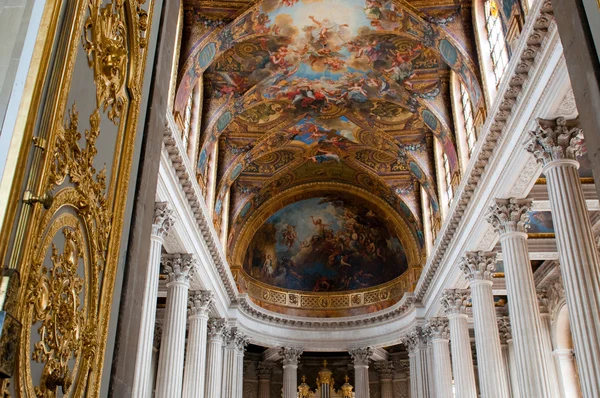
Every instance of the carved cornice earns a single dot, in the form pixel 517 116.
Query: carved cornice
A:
pixel 361 356
pixel 525 59
pixel 290 355
pixel 178 267
pixel 504 329
pixel 437 329
pixel 510 215
pixel 192 192
pixel 556 140
pixel 455 301
pixel 163 219
pixel 199 303
pixel 479 266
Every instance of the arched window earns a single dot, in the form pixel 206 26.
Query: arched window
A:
pixel 496 39
pixel 467 111
pixel 447 178
pixel 187 121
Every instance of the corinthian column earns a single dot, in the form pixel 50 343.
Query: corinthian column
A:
pixel 229 364
pixel 361 356
pixel 241 341
pixel 195 358
pixel 386 376
pixel 556 145
pixel 509 218
pixel 479 268
pixel 163 221
pixel 290 371
pixel 214 358
pixel 508 355
pixel 172 349
pixel 265 370
pixel 455 302
pixel 416 344
pixel 439 333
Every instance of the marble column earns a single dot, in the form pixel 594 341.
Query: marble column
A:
pixel 195 358
pixel 214 357
pixel 290 371
pixel 163 221
pixel 169 378
pixel 479 268
pixel 455 303
pixel 546 320
pixel 509 218
pixel 385 369
pixel 361 357
pixel 556 144
pixel 439 333
pixel 508 355
pixel 416 344
pixel 241 341
pixel 229 364
pixel 265 371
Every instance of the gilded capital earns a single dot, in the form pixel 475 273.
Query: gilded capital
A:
pixel 178 267
pixel 216 328
pixel 479 266
pixel 437 328
pixel 504 329
pixel 361 356
pixel 163 219
pixel 290 355
pixel 385 369
pixel 556 140
pixel 510 215
pixel 455 301
pixel 199 302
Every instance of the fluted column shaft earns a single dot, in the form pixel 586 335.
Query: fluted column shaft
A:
pixel 195 358
pixel 163 221
pixel 214 359
pixel 506 363
pixel 493 379
pixel 546 321
pixel 172 350
pixel 419 373
pixel 290 371
pixel 568 373
pixel 386 378
pixel 229 367
pixel 462 357
pixel 361 357
pixel 442 368
pixel 264 379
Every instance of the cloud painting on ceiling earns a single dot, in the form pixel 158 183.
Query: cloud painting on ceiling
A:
pixel 327 243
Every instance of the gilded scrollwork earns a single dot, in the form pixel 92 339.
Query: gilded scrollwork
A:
pixel 105 42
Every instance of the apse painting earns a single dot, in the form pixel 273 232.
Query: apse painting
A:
pixel 328 243
pixel 540 222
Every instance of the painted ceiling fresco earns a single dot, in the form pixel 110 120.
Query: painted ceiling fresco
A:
pixel 348 92
pixel 327 244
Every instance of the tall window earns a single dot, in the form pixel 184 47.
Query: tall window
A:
pixel 447 178
pixel 467 110
pixel 187 121
pixel 496 38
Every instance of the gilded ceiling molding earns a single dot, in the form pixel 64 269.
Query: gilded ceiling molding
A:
pixel 539 26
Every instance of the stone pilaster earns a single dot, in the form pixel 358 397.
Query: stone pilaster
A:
pixel 163 221
pixel 510 219
pixel 455 303
pixel 479 268
pixel 290 371
pixel 172 350
pixel 265 371
pixel 361 357
pixel 385 369
pixel 416 344
pixel 556 144
pixel 214 358
pixel 195 358
pixel 439 332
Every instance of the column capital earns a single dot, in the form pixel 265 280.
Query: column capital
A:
pixel 163 219
pixel 479 266
pixel 361 356
pixel 437 329
pixel 216 328
pixel 555 140
pixel 403 365
pixel 550 296
pixel 240 340
pixel 504 329
pixel 290 355
pixel 415 340
pixel 509 215
pixel 199 302
pixel 455 301
pixel 385 369
pixel 265 370
pixel 178 267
